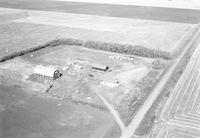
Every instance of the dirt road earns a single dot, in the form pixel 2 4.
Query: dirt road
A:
pixel 129 131
pixel 114 112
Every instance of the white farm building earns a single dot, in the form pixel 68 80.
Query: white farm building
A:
pixel 48 72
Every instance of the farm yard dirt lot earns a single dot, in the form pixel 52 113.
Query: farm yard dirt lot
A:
pixel 127 71
pixel 79 82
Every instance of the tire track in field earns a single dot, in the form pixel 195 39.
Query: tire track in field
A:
pixel 180 116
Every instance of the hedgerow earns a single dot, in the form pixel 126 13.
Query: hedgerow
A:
pixel 111 47
pixel 128 49
pixel 118 48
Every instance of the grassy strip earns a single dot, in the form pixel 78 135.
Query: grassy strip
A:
pixel 132 103
pixel 99 107
pixel 183 44
pixel 151 115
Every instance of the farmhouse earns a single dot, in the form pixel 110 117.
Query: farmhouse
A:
pixel 48 72
pixel 100 67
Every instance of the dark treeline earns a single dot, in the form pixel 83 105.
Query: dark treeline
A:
pixel 119 48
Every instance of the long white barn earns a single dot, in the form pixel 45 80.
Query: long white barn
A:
pixel 50 72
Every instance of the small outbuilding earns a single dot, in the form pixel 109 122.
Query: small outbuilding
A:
pixel 100 67
pixel 109 84
pixel 49 72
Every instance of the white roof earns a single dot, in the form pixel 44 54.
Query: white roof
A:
pixel 45 71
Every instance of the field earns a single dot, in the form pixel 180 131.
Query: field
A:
pixel 25 115
pixel 11 14
pixel 114 30
pixel 137 54
pixel 181 113
pixel 83 85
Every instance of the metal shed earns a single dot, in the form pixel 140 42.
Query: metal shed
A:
pixel 100 67
pixel 50 72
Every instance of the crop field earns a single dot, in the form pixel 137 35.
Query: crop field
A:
pixel 181 114
pixel 151 34
pixel 173 131
pixel 7 14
